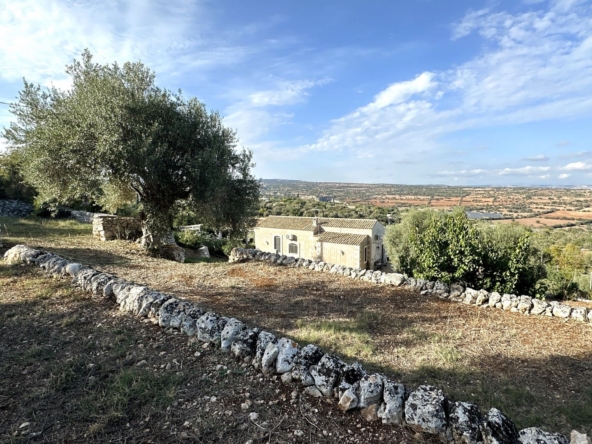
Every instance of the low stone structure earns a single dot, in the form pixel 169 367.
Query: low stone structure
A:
pixel 84 217
pixel 455 293
pixel 109 227
pixel 15 208
pixel 425 409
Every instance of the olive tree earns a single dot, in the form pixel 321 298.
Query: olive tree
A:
pixel 115 136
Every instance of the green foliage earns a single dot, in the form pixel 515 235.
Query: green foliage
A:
pixel 295 206
pixel 449 247
pixel 196 239
pixel 116 136
pixel 12 182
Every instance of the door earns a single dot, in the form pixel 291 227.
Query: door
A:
pixel 277 244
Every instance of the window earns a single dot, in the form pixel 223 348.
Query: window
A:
pixel 277 243
pixel 293 248
pixel 365 254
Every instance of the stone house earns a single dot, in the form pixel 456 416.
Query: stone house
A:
pixel 356 243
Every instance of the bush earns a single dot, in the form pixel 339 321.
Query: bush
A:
pixel 450 248
pixel 196 239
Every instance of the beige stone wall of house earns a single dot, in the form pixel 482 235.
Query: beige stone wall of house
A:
pixel 305 242
pixel 346 255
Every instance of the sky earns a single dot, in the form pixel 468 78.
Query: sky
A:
pixel 457 92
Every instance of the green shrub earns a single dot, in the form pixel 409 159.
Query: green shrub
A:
pixel 451 248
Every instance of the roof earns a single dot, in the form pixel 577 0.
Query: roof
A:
pixel 287 223
pixel 306 223
pixel 342 238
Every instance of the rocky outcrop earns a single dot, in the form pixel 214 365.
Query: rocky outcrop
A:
pixel 425 409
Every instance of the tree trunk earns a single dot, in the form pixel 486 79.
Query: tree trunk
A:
pixel 164 244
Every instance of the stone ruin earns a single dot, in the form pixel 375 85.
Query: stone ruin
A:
pixel 109 227
pixel 425 409
pixel 526 305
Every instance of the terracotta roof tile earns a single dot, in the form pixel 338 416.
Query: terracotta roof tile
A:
pixel 305 223
pixel 342 238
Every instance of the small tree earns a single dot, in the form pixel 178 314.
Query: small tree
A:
pixel 115 137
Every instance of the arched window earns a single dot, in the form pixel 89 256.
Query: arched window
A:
pixel 277 244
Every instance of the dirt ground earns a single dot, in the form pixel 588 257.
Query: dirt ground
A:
pixel 77 370
pixel 535 369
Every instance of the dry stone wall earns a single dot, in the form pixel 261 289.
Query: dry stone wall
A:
pixel 108 227
pixel 377 398
pixel 526 305
pixel 15 208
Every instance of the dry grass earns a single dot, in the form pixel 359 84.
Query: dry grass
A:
pixel 77 370
pixel 536 369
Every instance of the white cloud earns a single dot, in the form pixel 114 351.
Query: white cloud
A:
pixel 577 166
pixel 537 158
pixel 524 171
pixel 563 176
pixel 464 173
pixel 287 93
pixel 536 67
pixel 401 91
pixel 38 38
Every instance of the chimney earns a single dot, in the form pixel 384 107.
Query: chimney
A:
pixel 315 221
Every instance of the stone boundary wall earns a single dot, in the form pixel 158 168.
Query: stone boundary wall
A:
pixel 526 305
pixel 84 217
pixel 426 409
pixel 109 227
pixel 15 208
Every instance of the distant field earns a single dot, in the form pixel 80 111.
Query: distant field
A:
pixel 557 206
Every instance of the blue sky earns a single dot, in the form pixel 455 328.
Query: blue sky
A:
pixel 460 92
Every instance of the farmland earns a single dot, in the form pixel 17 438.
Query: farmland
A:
pixel 550 206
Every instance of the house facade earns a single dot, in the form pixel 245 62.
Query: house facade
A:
pixel 356 243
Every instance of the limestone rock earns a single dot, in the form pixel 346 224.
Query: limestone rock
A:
pixel 232 328
pixel 99 281
pixel 326 373
pixel 370 390
pixel 189 324
pixel 470 296
pixel 425 410
pixel 287 351
pixel 245 343
pixel 497 428
pixel 524 304
pixel 209 327
pixel 352 373
pixel 465 420
pixel 579 438
pixel 166 312
pixel 507 301
pixel 203 251
pixel 561 310
pixel 494 298
pixel 534 435
pixel 73 268
pixel 370 413
pixel 538 307
pixel 172 252
pixel 392 409
pixel 456 290
pixel 348 400
pixel 482 297
pixel 263 340
pixel 309 355
pixel 313 391
pixel 268 360
pixel 579 314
